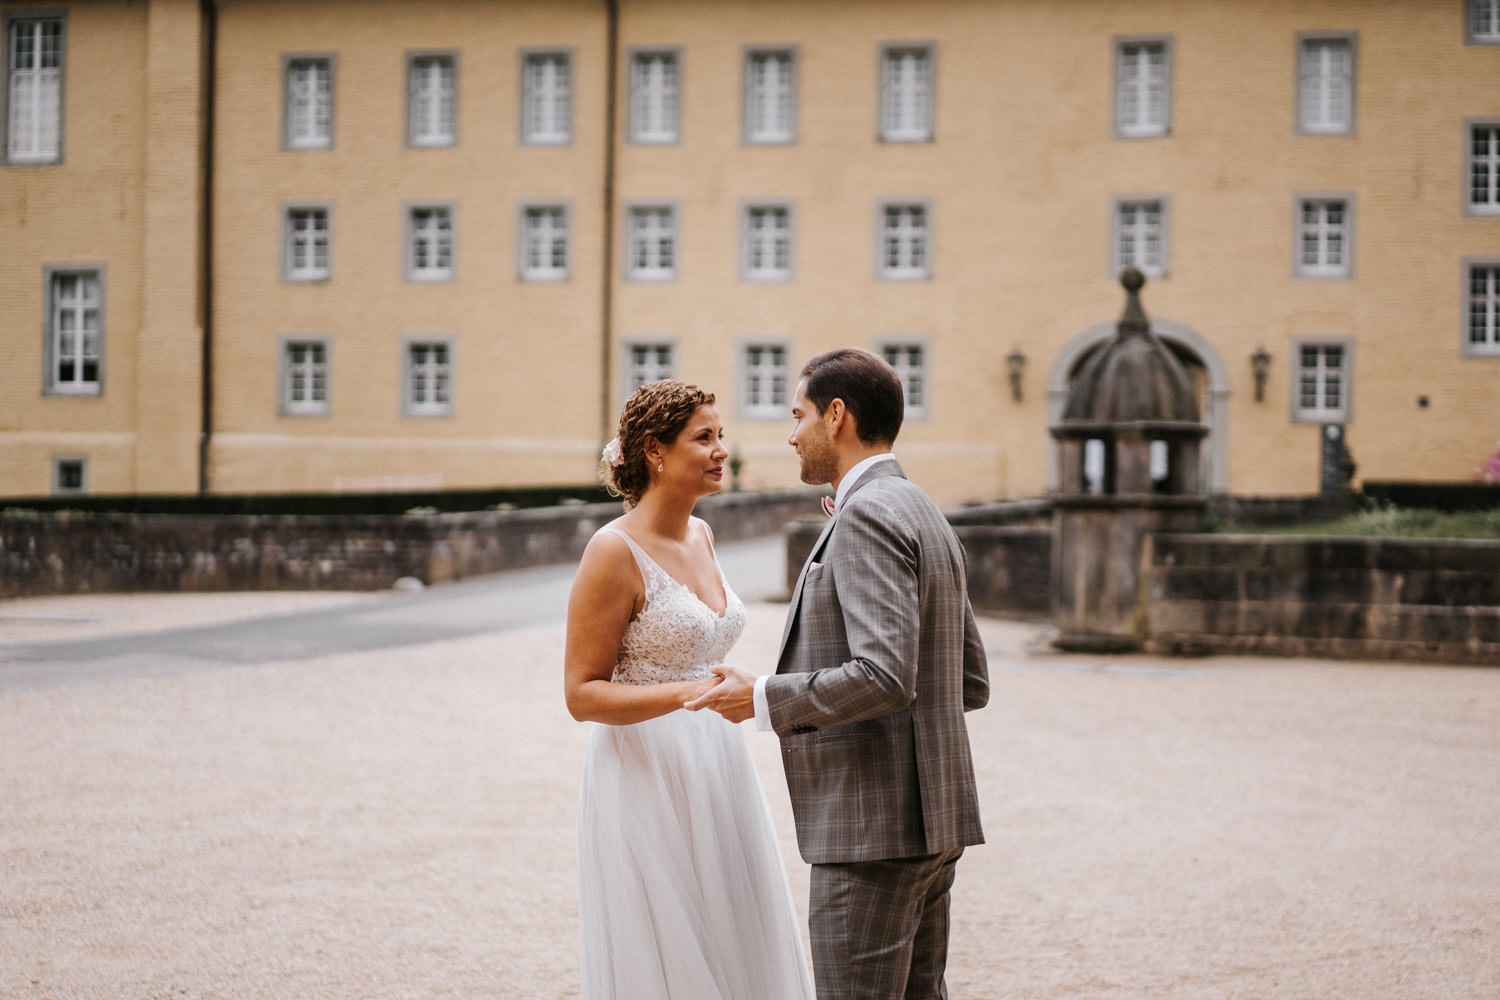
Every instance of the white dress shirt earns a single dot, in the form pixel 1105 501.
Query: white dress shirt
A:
pixel 762 707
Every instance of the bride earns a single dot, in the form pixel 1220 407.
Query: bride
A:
pixel 682 892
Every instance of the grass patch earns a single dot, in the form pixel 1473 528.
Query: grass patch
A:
pixel 1394 522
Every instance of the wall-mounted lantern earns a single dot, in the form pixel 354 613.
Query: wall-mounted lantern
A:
pixel 1260 367
pixel 1015 366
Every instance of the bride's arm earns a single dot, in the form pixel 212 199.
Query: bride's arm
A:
pixel 606 592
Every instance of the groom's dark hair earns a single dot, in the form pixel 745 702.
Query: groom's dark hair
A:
pixel 869 387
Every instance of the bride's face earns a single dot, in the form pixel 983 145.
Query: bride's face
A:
pixel 695 461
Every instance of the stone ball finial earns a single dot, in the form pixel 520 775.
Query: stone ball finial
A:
pixel 1132 279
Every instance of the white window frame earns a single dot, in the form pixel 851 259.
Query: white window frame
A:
pixel 770 106
pixel 907 105
pixel 415 229
pixel 907 235
pixel 292 239
pixel 547 97
pixel 426 107
pixel 1143 100
pixel 1138 204
pixel 443 371
pixel 1325 234
pixel 46 87
pixel 1482 310
pixel 313 369
pixel 61 490
pixel 647 359
pixel 52 333
pixel 756 242
pixel 531 237
pixel 1482 22
pixel 916 376
pixel 639 229
pixel 1487 162
pixel 1323 375
pixel 655 108
pixel 1325 86
pixel 758 359
pixel 307 117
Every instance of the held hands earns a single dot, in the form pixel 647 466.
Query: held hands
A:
pixel 733 696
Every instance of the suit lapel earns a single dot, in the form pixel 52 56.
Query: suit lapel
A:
pixel 889 467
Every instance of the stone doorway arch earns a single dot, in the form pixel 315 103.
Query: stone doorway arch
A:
pixel 1194 351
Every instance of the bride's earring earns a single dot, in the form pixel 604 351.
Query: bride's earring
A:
pixel 661 466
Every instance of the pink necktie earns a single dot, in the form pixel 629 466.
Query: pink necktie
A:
pixel 828 506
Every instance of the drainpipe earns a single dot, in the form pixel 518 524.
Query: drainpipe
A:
pixel 210 28
pixel 606 297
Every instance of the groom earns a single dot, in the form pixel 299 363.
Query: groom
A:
pixel 880 658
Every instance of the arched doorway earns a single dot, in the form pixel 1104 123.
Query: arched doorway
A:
pixel 1202 361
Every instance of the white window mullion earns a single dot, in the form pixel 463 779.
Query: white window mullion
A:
pixel 1327 86
pixel 34 85
pixel 648 363
pixel 906 95
pixel 548 99
pixel 654 97
pixel 1484 308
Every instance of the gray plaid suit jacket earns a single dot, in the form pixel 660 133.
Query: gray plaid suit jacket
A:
pixel 879 661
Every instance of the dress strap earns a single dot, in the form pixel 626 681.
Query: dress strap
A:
pixel 650 571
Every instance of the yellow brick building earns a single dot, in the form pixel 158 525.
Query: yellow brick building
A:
pixel 327 245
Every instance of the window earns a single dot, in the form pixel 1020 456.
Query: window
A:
pixel 1483 22
pixel 652 243
pixel 544 243
pixel 305 239
pixel 1140 238
pixel 432 100
pixel 906 93
pixel 654 97
pixel 1324 238
pixel 309 102
pixel 763 380
pixel 1483 161
pixel 547 99
pixel 1325 86
pixel 1143 88
pixel 33 90
pixel 427 378
pixel 70 476
pixel 647 361
pixel 770 96
pixel 904 242
pixel 909 358
pixel 304 376
pixel 767 251
pixel 1484 309
pixel 1322 382
pixel 429 241
pixel 74 340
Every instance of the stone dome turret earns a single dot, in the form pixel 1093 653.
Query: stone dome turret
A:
pixel 1133 376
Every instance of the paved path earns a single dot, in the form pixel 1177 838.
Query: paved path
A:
pixel 375 797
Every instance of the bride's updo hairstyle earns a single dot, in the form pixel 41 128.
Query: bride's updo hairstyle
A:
pixel 656 411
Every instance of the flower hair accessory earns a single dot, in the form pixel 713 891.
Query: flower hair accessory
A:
pixel 614 454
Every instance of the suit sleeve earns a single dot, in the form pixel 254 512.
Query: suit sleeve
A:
pixel 976 664
pixel 876 583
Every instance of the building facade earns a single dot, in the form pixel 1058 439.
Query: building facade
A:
pixel 324 245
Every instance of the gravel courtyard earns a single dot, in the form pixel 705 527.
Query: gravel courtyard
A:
pixel 400 824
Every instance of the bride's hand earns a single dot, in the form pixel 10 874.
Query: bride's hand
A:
pixel 697 689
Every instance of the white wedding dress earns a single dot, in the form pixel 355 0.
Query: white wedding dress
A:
pixel 682 891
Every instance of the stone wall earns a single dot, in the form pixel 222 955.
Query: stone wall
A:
pixel 1433 600
pixel 1010 567
pixel 70 553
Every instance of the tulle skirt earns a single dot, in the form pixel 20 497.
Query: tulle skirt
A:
pixel 682 891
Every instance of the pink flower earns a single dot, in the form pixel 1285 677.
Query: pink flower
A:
pixel 614 454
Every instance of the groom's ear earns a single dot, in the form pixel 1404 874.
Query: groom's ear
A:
pixel 838 416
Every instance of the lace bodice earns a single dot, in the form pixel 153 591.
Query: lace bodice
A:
pixel 676 637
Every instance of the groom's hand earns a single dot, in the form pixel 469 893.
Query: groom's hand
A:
pixel 734 698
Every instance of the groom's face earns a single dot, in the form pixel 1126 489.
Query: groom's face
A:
pixel 811 439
